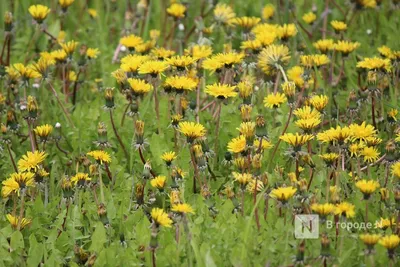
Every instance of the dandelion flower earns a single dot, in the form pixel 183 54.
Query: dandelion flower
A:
pixel 131 41
pixel 160 218
pixel 158 182
pixel 80 179
pixel 237 145
pixel 31 161
pixel 16 182
pixel 176 10
pixel 345 209
pixel 309 17
pixel 39 12
pixel 283 194
pixel 100 156
pixel 168 157
pixel 367 187
pixel 221 91
pixel 338 26
pixel 15 221
pixel 274 100
pixel 191 130
pixel 370 154
pixel 182 208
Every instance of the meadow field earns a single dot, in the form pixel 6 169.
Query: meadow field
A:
pixel 200 133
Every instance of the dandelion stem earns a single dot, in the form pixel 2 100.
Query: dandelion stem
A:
pixel 196 171
pixel 117 135
pixel 12 158
pixel 21 211
pixel 276 84
pixel 101 186
pixel 65 220
pixel 373 110
pixel 283 132
pixel 216 144
pixel 33 148
pixel 61 104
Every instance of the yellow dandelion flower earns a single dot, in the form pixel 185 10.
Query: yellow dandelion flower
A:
pixel 223 13
pixel 100 156
pixel 287 30
pixel 39 12
pixel 396 169
pixel 362 132
pixel 338 26
pixel 139 86
pixel 80 179
pixel 180 83
pixel 191 130
pixel 237 145
pixel 268 11
pixel 162 53
pixel 308 124
pixel 295 74
pixel 324 45
pixel 309 61
pixel 370 239
pixel 221 91
pixel 44 131
pixel 176 10
pixel 199 51
pixel 367 187
pixel 16 182
pixel 274 100
pixel 158 182
pixel 345 209
pixel 309 17
pixel 274 55
pixel 92 13
pixel 160 218
pixel 296 140
pixel 264 145
pixel 375 63
pixel 168 157
pixel 245 22
pixel 242 178
pixel 323 209
pixel 319 102
pixel 69 47
pixel 283 194
pixel 182 208
pixel 31 161
pixel 346 47
pixel 92 53
pixel 15 221
pixel 370 154
pixel 131 41
pixel 390 242
pixel 65 3
pixel 153 67
pixel 180 62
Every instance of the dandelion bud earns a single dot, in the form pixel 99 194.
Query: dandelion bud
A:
pixel 289 89
pixel 384 194
pixel 102 139
pixel 32 108
pixel 391 152
pixel 12 123
pixel 300 252
pixel 256 161
pixel 102 212
pixel 199 157
pixel 240 163
pixel 261 128
pixel 325 243
pixel 8 20
pixel 99 84
pixel 57 133
pixel 372 77
pixel 109 97
pixel 92 260
pixel 175 119
pixel 397 198
pixel 66 186
pixel 245 112
pixel 139 131
pixel 3 129
pixel 147 171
